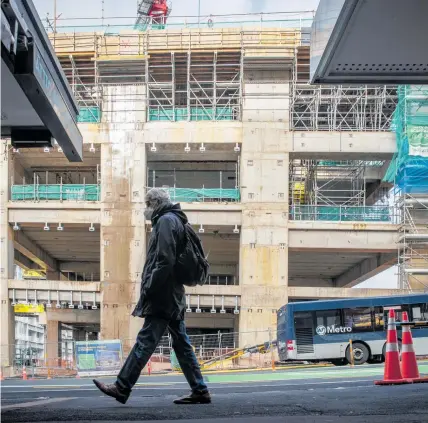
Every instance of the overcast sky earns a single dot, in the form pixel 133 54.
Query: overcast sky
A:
pixel 115 8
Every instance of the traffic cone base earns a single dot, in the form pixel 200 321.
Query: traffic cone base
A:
pixel 409 365
pixel 393 382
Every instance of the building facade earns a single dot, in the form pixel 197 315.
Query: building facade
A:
pixel 282 180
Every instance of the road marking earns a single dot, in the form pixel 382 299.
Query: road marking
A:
pixel 36 403
pixel 245 384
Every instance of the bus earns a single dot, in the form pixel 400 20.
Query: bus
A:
pixel 321 330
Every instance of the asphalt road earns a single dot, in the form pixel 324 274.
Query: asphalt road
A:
pixel 300 395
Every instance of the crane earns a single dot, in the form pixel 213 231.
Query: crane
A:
pixel 154 12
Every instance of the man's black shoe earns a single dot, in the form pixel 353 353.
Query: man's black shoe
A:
pixel 112 391
pixel 195 398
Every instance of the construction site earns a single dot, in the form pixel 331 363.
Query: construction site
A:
pixel 298 192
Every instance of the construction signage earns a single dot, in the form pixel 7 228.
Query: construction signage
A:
pixel 29 308
pixel 98 357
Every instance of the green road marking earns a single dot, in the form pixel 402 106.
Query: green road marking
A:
pixel 324 373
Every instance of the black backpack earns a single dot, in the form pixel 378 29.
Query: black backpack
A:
pixel 191 267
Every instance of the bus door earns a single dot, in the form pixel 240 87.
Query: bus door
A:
pixel 304 331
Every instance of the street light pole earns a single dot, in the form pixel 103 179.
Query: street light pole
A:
pixel 199 13
pixel 54 17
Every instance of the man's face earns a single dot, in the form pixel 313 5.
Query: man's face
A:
pixel 148 212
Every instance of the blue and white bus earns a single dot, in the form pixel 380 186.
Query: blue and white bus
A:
pixel 321 330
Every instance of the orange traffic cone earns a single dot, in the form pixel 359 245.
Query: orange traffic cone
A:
pixel 409 365
pixel 149 367
pixel 24 374
pixel 1 374
pixel 392 373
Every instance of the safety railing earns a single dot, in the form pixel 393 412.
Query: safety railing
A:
pixel 381 214
pixel 191 195
pixel 158 113
pixel 212 22
pixel 216 351
pixel 56 192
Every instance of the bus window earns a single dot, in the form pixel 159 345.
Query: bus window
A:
pixel 359 319
pixel 328 318
pixel 419 312
pixel 303 320
pixel 379 319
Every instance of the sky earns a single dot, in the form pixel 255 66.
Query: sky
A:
pixel 114 8
pixel 127 8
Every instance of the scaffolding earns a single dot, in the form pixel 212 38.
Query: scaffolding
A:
pixel 333 191
pixel 186 75
pixel 338 108
pixel 194 86
pixel 409 171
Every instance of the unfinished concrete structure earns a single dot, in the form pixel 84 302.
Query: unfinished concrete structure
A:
pixel 281 179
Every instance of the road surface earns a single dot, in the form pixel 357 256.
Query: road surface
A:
pixel 314 395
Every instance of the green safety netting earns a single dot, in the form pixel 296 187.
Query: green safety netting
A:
pixel 409 166
pixel 89 115
pixel 342 213
pixel 346 163
pixel 56 192
pixel 189 195
pixel 196 114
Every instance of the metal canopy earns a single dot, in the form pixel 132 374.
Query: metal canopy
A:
pixel 370 42
pixel 37 103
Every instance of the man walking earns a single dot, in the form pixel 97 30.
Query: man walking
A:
pixel 162 304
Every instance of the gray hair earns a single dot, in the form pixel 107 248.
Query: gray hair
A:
pixel 158 195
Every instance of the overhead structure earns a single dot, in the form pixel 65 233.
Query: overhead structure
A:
pixel 365 42
pixel 153 13
pixel 37 103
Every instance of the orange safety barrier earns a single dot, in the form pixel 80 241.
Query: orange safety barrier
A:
pixel 392 372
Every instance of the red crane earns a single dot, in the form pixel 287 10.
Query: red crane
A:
pixel 153 12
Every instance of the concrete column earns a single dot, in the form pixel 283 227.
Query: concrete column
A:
pixel 123 162
pixel 53 339
pixel 264 233
pixel 7 320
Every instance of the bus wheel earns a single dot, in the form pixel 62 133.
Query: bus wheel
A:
pixel 361 353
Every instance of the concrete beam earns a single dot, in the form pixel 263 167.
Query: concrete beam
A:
pixel 24 262
pixel 64 291
pixel 50 214
pixel 74 316
pixel 309 282
pixel 364 270
pixel 31 250
pixel 215 290
pixel 325 293
pixel 343 145
pixel 79 266
pixel 331 240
